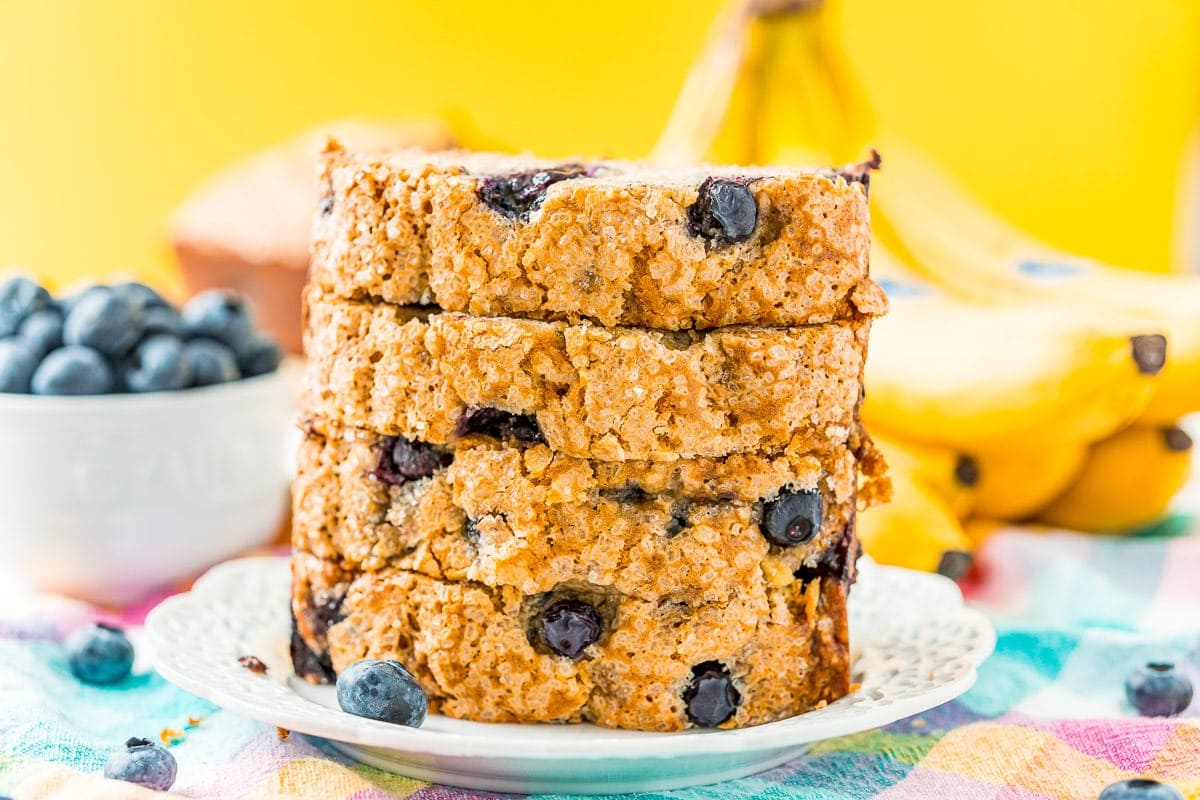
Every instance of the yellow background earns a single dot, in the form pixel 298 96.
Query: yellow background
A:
pixel 1070 116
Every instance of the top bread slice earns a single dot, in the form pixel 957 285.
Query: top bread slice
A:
pixel 613 243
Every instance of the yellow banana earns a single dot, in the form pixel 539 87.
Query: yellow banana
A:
pixel 953 240
pixel 973 376
pixel 1128 480
pixel 953 476
pixel 916 530
pixel 980 529
pixel 1015 482
pixel 809 106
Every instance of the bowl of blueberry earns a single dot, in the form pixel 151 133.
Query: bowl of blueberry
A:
pixel 139 443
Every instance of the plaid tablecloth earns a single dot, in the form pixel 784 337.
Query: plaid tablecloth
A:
pixel 1047 718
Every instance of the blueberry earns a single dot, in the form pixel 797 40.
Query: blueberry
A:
pixel 517 194
pixel 724 212
pixel 68 303
pixel 629 494
pixel 219 315
pixel 73 370
pixel 144 763
pixel 139 295
pixel 210 362
pixel 259 357
pixel 307 662
pixel 679 518
pixel 105 321
pixel 402 460
pixel 325 208
pixel 20 297
pixel 711 697
pixel 382 690
pixel 861 172
pixel 18 360
pixel 570 626
pixel 156 365
pixel 1140 789
pixel 499 424
pixel 1157 690
pixel 162 319
pixel 793 518
pixel 837 562
pixel 99 654
pixel 43 330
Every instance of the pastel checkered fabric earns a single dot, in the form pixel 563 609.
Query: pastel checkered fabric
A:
pixel 1047 718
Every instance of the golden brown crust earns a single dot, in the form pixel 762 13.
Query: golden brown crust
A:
pixel 472 649
pixel 613 248
pixel 601 393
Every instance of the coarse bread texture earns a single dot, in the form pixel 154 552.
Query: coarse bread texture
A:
pixel 477 653
pixel 588 391
pixel 615 243
pixel 526 517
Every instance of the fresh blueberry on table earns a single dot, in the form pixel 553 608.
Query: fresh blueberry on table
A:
pixel 210 362
pixel 1158 690
pixel 144 763
pixel 43 330
pixel 73 370
pixel 20 297
pixel 156 365
pixel 99 654
pixel 259 357
pixel 18 360
pixel 382 690
pixel 1140 789
pixel 221 316
pixel 105 321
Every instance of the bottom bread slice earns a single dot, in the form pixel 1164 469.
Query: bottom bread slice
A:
pixel 495 654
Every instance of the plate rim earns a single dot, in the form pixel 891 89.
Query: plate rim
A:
pixel 793 732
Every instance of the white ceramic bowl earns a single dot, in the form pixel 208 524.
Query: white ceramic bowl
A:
pixel 111 497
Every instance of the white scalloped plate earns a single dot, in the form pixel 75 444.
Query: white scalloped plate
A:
pixel 917 646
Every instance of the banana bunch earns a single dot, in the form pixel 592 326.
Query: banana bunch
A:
pixel 1009 381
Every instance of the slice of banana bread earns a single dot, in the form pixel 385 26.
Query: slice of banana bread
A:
pixel 580 651
pixel 530 518
pixel 614 243
pixel 586 390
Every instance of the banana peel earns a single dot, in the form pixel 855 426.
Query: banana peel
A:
pixel 1127 481
pixel 955 242
pixel 917 529
pixel 952 475
pixel 971 376
pixel 1016 482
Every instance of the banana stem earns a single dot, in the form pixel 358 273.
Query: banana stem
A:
pixel 707 89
